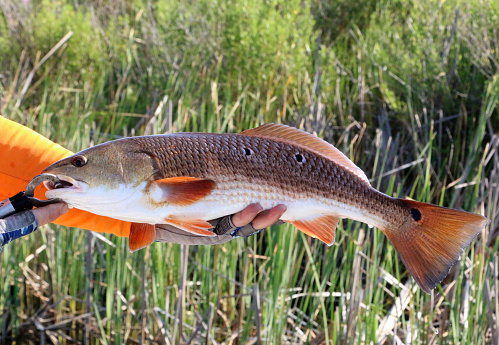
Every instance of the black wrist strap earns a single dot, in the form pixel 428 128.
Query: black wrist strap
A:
pixel 15 204
pixel 226 227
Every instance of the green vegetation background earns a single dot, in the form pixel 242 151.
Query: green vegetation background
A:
pixel 408 89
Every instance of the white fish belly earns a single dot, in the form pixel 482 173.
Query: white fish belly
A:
pixel 225 202
pixel 132 205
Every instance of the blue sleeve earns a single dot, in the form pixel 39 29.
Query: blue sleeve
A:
pixel 17 225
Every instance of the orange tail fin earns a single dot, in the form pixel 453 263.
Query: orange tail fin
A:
pixel 432 239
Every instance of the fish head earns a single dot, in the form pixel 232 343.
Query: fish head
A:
pixel 103 174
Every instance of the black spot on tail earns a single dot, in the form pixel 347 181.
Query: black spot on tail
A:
pixel 416 215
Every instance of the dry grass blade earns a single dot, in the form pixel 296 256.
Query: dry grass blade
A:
pixel 389 322
pixel 201 324
pixel 88 284
pixel 209 326
pixel 357 291
pixel 492 313
pixel 256 311
pixel 31 74
pixel 179 312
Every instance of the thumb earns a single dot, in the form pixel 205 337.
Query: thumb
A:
pixel 49 213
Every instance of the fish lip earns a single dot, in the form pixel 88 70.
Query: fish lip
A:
pixel 76 186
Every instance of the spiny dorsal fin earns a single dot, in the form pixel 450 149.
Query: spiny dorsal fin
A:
pixel 310 141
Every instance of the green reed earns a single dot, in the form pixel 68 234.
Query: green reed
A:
pixel 408 90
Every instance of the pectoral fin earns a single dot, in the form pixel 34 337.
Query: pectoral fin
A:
pixel 141 235
pixel 182 191
pixel 196 226
pixel 321 227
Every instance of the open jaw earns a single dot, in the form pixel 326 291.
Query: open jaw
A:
pixel 66 185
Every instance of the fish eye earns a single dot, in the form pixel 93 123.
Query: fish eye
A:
pixel 79 161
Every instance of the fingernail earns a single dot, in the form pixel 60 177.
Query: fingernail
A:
pixel 258 206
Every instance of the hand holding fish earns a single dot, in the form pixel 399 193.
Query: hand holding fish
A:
pixel 249 221
pixel 186 179
pixel 258 218
pixel 49 213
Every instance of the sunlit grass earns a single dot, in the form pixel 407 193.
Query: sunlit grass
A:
pixel 66 285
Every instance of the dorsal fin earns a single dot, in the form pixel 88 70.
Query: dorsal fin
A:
pixel 310 141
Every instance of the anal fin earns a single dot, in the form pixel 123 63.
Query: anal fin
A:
pixel 196 226
pixel 141 235
pixel 321 227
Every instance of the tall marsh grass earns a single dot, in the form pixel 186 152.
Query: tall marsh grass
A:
pixel 408 89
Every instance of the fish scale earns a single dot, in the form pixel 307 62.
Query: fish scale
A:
pixel 186 179
pixel 214 156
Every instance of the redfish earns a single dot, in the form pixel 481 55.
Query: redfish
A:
pixel 186 179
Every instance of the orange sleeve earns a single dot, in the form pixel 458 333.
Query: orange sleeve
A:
pixel 23 155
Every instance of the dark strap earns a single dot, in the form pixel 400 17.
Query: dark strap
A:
pixel 225 226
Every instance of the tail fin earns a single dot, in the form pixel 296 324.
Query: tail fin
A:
pixel 432 238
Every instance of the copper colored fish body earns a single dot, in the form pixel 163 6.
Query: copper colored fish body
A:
pixel 186 179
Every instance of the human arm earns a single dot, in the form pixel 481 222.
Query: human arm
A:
pixel 26 222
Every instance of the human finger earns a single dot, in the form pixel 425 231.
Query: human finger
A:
pixel 247 215
pixel 49 213
pixel 268 217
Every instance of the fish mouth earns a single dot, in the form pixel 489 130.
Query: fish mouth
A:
pixel 65 185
